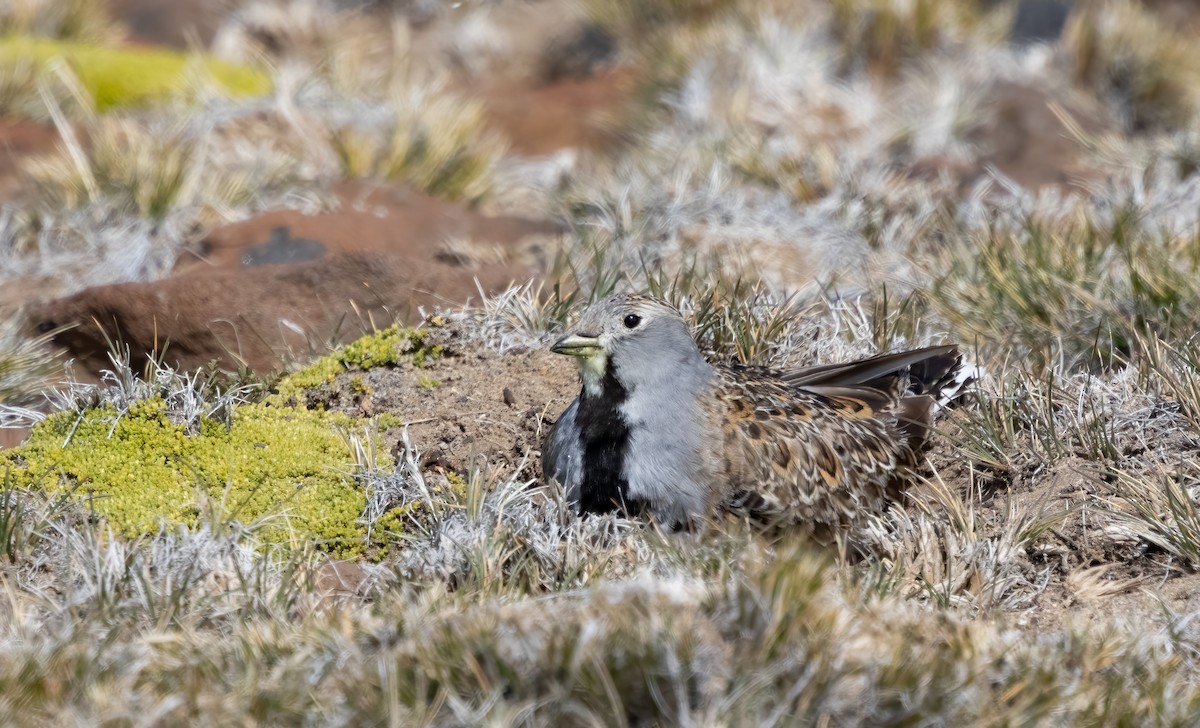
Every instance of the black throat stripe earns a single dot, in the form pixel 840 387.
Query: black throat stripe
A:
pixel 604 436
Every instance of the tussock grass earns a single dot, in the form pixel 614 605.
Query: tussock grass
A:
pixel 119 196
pixel 75 20
pixel 1160 508
pixel 27 366
pixel 424 136
pixel 725 626
pixel 940 550
pixel 1080 288
pixel 156 170
pixel 129 190
pixel 1173 370
pixel 522 316
pixel 639 19
pixel 142 171
pixel 1145 68
pixel 180 624
pixel 882 35
pixel 284 28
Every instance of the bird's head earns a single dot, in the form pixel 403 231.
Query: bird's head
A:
pixel 632 338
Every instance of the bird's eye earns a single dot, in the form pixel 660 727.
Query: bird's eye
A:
pixel 632 320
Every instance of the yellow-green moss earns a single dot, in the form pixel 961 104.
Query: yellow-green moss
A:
pixel 456 485
pixel 386 347
pixel 388 421
pixel 286 467
pixel 117 77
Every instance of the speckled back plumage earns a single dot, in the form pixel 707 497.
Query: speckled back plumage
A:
pixel 825 453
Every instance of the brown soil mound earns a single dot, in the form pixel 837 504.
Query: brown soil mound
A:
pixel 470 406
pixel 20 138
pixel 373 218
pixel 571 113
pixel 284 285
pixel 1030 143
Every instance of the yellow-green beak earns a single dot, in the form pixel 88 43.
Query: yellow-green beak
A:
pixel 576 345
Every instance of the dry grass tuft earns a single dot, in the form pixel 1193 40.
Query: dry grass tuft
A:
pixel 1159 508
pixel 209 164
pixel 643 19
pixel 1146 69
pixel 27 366
pixel 423 136
pixel 1079 286
pixel 76 20
pixel 882 35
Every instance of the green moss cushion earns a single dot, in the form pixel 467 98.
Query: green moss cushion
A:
pixel 121 77
pixel 285 467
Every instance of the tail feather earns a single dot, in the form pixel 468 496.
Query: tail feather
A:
pixel 866 371
pixel 936 371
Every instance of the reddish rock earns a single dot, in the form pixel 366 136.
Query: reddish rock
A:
pixel 168 22
pixel 1026 141
pixel 12 436
pixel 20 138
pixel 393 220
pixel 281 286
pixel 20 291
pixel 338 578
pixel 1021 136
pixel 569 113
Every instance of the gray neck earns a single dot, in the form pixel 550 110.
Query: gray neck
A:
pixel 672 438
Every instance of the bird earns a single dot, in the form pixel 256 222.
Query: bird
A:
pixel 658 427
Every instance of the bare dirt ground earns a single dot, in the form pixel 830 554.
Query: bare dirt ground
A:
pixel 469 407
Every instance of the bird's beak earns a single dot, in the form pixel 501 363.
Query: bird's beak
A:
pixel 576 345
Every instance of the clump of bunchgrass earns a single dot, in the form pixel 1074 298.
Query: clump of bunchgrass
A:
pixel 939 548
pixel 490 530
pixel 425 136
pixel 726 625
pixel 1159 507
pixel 1146 69
pixel 28 365
pixel 1173 370
pixel 75 20
pixel 282 28
pixel 148 169
pixel 1079 287
pixel 881 35
pixel 521 316
pixel 641 20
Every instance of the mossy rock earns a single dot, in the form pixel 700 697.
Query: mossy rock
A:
pixel 386 347
pixel 287 468
pixel 121 77
pixel 277 463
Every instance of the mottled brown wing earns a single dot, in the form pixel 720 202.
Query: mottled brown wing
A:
pixel 818 456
